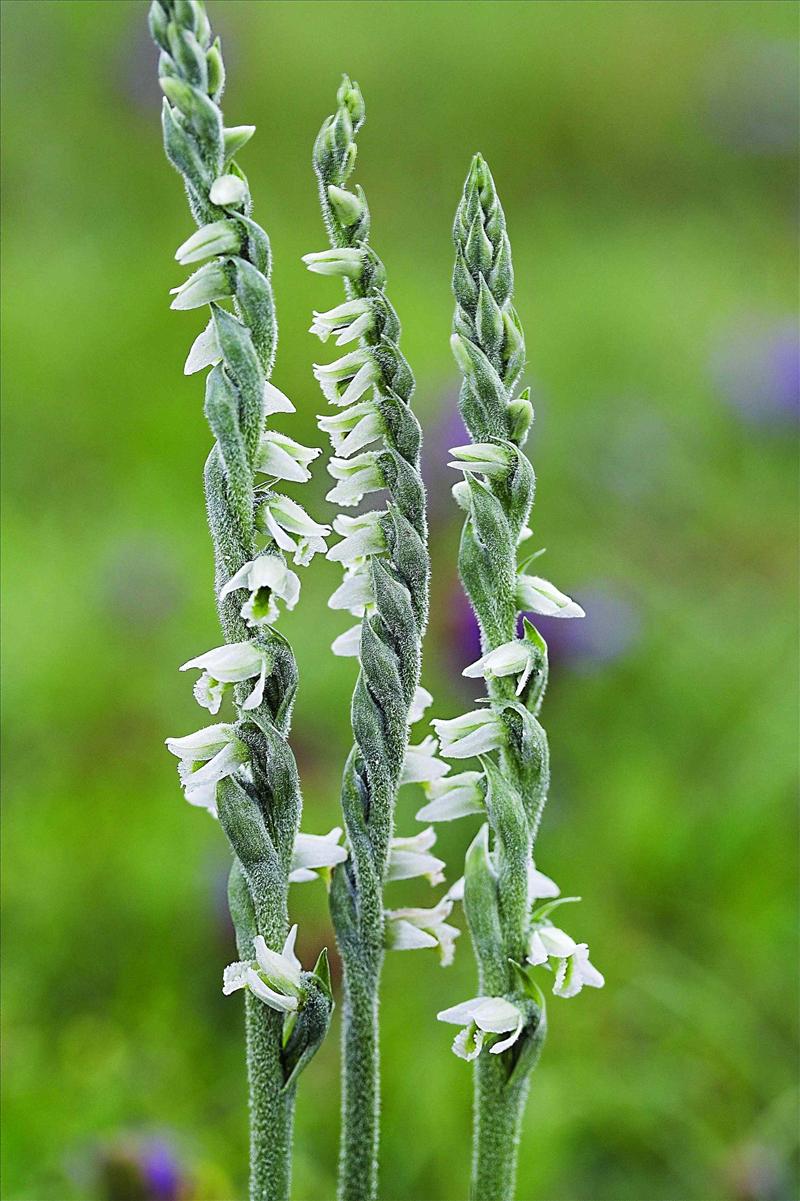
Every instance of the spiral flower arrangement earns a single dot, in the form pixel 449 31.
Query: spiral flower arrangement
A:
pixel 241 769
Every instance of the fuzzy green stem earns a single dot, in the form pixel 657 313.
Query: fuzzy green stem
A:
pixel 271 1112
pixel 498 1112
pixel 358 1152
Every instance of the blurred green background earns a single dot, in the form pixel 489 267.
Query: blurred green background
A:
pixel 644 153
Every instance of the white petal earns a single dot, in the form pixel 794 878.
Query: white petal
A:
pixel 234 977
pixel 280 972
pixel 422 700
pixel 203 744
pixel 406 937
pixel 504 1044
pixel 205 350
pixel 348 643
pixel 318 850
pixel 275 401
pixel 540 885
pixel 463 1013
pixel 556 942
pixel 275 1000
pixel 495 1015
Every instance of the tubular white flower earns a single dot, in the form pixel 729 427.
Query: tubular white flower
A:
pixel 548 941
pixel 474 733
pixel 350 320
pixel 274 978
pixel 279 517
pixel 540 886
pixel 268 580
pixel 421 764
pixel 357 477
pixel 479 1017
pixel 348 644
pixel 421 701
pixel 352 428
pixel 510 659
pixel 361 536
pixel 275 401
pixel 284 459
pixel 228 191
pixel 574 972
pixel 205 758
pixel 205 350
pixel 457 796
pixel 355 593
pixel 410 857
pixel 346 261
pixel 409 929
pixel 540 596
pixel 314 854
pixel 220 237
pixel 209 283
pixel 485 458
pixel 228 665
pixel 345 380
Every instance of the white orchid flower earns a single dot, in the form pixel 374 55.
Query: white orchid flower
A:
pixel 575 971
pixel 540 596
pixel 227 665
pixel 512 658
pixel 361 536
pixel 344 381
pixel 218 237
pixel 473 733
pixel 408 929
pixel 347 261
pixel 355 593
pixel 272 977
pixel 348 644
pixel 268 580
pixel 280 517
pixel 486 458
pixel 276 401
pixel 546 941
pixel 540 886
pixel 356 476
pixel 353 428
pixel 349 320
pixel 205 350
pixel 421 701
pixel 284 459
pixel 479 1017
pixel 205 758
pixel 457 796
pixel 410 857
pixel 421 764
pixel 314 853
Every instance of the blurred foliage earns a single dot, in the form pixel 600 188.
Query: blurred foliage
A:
pixel 644 154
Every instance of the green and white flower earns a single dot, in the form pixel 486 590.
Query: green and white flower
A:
pixel 272 977
pixel 409 929
pixel 205 350
pixel 482 458
pixel 353 428
pixel 348 644
pixel 457 796
pixel 219 237
pixel 362 536
pixel 480 1017
pixel 345 380
pixel 225 666
pixel 512 658
pixel 205 758
pixel 210 282
pixel 411 857
pixel 276 401
pixel 575 971
pixel 548 942
pixel 346 261
pixel 540 596
pixel 473 733
pixel 284 459
pixel 421 701
pixel 315 854
pixel 279 518
pixel 357 477
pixel 540 886
pixel 349 320
pixel 268 580
pixel 355 593
pixel 421 765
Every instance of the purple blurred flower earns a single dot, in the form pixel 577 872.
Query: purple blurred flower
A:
pixel 758 371
pixel 161 1170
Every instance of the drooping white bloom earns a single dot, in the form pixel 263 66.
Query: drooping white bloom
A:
pixel 276 401
pixel 346 261
pixel 361 536
pixel 209 283
pixel 268 580
pixel 353 428
pixel 540 886
pixel 284 459
pixel 510 659
pixel 575 971
pixel 350 320
pixel 314 853
pixel 205 350
pixel 546 941
pixel 457 796
pixel 348 644
pixel 355 593
pixel 474 733
pixel 485 458
pixel 228 665
pixel 421 764
pixel 205 758
pixel 409 929
pixel 421 701
pixel 410 857
pixel 479 1017
pixel 280 517
pixel 219 237
pixel 356 476
pixel 272 977
pixel 228 191
pixel 540 596
pixel 344 381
